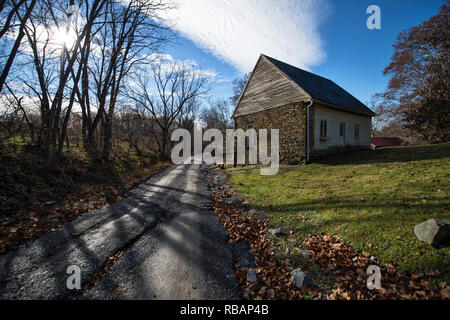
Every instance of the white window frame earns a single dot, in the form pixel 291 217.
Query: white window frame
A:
pixel 323 128
pixel 357 129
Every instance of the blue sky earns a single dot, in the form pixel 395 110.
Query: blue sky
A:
pixel 327 37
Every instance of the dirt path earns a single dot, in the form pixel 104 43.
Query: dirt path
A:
pixel 172 242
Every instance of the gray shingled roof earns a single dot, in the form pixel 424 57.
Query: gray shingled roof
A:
pixel 320 88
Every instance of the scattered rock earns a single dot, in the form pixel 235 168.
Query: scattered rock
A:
pixel 445 293
pixel 254 214
pixel 242 255
pixel 433 232
pixel 241 206
pixel 299 278
pixel 262 291
pixel 276 232
pixel 270 294
pixel 233 199
pixel 304 253
pixel 252 277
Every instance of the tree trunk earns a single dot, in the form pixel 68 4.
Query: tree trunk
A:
pixel 16 46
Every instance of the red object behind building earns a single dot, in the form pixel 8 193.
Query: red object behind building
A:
pixel 387 142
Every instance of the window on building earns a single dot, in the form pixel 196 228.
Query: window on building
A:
pixel 342 129
pixel 323 128
pixel 356 131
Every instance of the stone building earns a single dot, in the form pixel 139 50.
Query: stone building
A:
pixel 314 115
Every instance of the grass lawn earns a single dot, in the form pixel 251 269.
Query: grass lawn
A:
pixel 371 199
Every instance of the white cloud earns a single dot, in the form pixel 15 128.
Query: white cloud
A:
pixel 166 62
pixel 224 80
pixel 238 31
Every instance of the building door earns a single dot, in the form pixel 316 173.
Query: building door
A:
pixel 342 133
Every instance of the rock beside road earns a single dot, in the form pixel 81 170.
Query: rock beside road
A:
pixel 433 232
pixel 242 255
pixel 254 214
pixel 299 278
pixel 276 232
pixel 304 253
pixel 252 277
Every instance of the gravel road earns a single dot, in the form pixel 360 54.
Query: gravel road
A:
pixel 173 244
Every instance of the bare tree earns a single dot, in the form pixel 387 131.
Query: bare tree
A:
pixel 238 88
pixel 174 89
pixel 128 34
pixel 217 115
pixel 53 70
pixel 115 39
pixel 10 11
pixel 19 108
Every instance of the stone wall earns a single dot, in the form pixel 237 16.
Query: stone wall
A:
pixel 290 120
